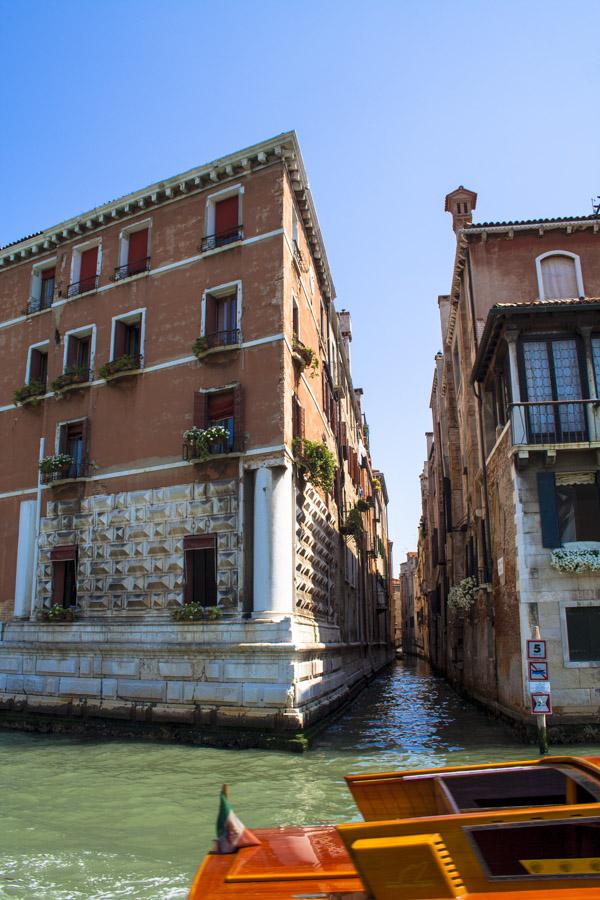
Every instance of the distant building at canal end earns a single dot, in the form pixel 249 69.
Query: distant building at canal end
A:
pixel 206 544
pixel 510 534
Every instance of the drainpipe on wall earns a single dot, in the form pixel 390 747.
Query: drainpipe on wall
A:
pixel 38 515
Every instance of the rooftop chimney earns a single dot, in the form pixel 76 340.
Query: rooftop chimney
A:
pixel 461 204
pixel 345 330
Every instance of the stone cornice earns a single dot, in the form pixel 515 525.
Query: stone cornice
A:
pixel 283 148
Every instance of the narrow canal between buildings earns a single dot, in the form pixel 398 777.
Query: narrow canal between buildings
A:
pixel 84 819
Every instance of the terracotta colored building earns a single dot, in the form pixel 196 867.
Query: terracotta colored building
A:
pixel 513 497
pixel 175 361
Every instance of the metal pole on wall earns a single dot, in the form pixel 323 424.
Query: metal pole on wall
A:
pixel 541 719
pixel 38 514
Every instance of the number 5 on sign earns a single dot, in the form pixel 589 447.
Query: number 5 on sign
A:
pixel 536 649
pixel 541 705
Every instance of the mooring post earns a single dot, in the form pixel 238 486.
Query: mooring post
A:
pixel 541 719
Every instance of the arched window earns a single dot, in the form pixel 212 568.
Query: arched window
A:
pixel 559 275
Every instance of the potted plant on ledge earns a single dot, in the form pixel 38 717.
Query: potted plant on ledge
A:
pixel 30 394
pixel 72 376
pixel 195 612
pixel 317 462
pixel 305 357
pixel 125 363
pixel 202 442
pixel 57 613
pixel 55 467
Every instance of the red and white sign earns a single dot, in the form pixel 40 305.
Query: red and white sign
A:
pixel 541 704
pixel 536 649
pixel 538 671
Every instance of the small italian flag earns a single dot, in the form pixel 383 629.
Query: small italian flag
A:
pixel 231 833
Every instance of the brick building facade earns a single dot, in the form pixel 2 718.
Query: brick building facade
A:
pixel 512 500
pixel 202 302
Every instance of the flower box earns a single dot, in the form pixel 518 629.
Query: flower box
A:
pixel 73 376
pixel 120 366
pixel 30 394
pixel 575 561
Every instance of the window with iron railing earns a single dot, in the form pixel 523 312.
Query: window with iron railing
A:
pixel 223 223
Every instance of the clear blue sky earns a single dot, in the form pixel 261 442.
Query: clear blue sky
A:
pixel 395 104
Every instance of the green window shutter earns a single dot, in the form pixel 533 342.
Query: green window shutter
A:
pixel 548 510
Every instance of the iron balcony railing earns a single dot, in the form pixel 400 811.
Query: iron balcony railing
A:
pixel 36 304
pixel 73 469
pixel 212 241
pixel 540 423
pixel 132 268
pixel 82 286
pixel 223 338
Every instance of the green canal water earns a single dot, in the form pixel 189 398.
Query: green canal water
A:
pixel 90 819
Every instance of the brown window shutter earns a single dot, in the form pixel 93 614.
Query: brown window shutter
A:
pixel 188 586
pixel 35 366
pixel 71 351
pixel 238 417
pixel 85 434
pixel 210 315
pixel 120 342
pixel 200 409
pixel 138 246
pixel 63 438
pixel 301 422
pixel 226 214
pixel 58 582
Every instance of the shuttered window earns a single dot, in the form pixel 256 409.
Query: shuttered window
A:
pixel 297 418
pixel 221 408
pixel 47 287
pixel 127 339
pixel 200 570
pixel 74 440
pixel 87 270
pixel 64 576
pixel 78 352
pixel 226 216
pixel 583 629
pixel 137 253
pixel 559 277
pixel 38 366
pixel 220 319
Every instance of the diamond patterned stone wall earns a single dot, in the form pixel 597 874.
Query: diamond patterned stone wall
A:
pixel 130 545
pixel 316 558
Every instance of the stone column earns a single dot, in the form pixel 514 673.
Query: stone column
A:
pixel 273 541
pixel 518 416
pixel 25 559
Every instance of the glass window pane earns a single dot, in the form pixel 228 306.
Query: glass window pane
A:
pixel 583 629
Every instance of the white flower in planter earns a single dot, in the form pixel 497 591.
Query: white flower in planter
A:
pixel 462 595
pixel 583 560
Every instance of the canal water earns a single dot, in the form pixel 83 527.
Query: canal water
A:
pixel 91 819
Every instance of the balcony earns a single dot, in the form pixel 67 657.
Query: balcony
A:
pixel 132 268
pixel 83 286
pixel 68 472
pixel 197 453
pixel 37 304
pixel 551 424
pixel 213 241
pixel 128 364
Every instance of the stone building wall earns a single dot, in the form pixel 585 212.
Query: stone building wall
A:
pixel 130 545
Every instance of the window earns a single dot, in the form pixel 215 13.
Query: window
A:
pixel 200 568
pixel 85 269
pixel 297 418
pixel 559 275
pixel 128 337
pixel 79 352
pixel 221 408
pixel 73 440
pixel 295 319
pixel 295 228
pixel 37 364
pixel 134 251
pixel 64 576
pixel 43 279
pixel 596 361
pixel 569 508
pixel 583 630
pixel 551 372
pixel 223 218
pixel 221 315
